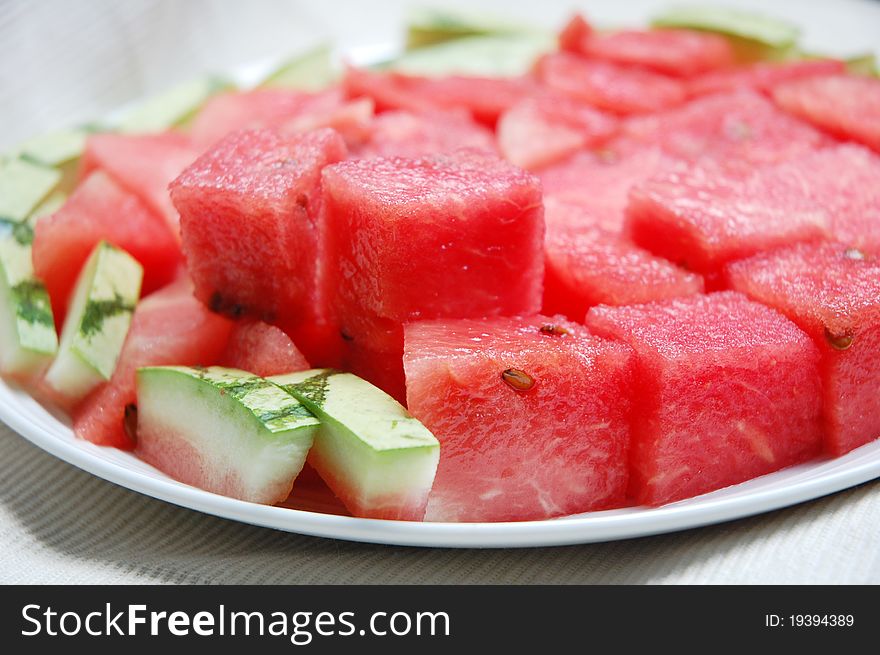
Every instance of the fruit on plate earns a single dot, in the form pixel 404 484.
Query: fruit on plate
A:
pixel 726 390
pixel 100 210
pixel 171 108
pixel 586 265
pixel 832 291
pixel 532 415
pixel 97 322
pixel 608 86
pixel 846 106
pixel 763 76
pixel 263 350
pixel 377 458
pixel 253 232
pixel 705 217
pixel 739 128
pixel 169 327
pixel 458 234
pixel 222 430
pixel 540 131
pixel 143 164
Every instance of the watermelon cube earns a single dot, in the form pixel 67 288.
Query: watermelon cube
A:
pixel 532 415
pixel 683 53
pixel 574 33
pixel 168 327
pixel 762 76
pixel 142 164
pixel 605 85
pixel 846 106
pixel 454 235
pixel 740 126
pixel 252 230
pixel 726 390
pixel 410 134
pixel 705 217
pixel 832 291
pixel 263 350
pixel 545 129
pixel 588 265
pixel 101 210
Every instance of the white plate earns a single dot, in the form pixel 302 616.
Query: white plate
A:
pixel 836 27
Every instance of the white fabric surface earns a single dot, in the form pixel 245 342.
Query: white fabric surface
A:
pixel 62 62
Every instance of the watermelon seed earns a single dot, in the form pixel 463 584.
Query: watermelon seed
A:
pixel 553 330
pixel 518 380
pixel 221 306
pixel 129 421
pixel 345 336
pixel 838 341
pixel 854 253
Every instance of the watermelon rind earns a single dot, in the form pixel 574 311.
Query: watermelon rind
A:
pixel 312 70
pixel 431 25
pixel 171 108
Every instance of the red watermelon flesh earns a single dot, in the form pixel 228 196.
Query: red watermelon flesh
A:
pixel 409 134
pixel 726 390
pixel 169 327
pixel 545 129
pixel 762 76
pixel 704 217
pixel 144 164
pixel 263 350
pixel 739 128
pixel 252 229
pixel 372 348
pixel 588 265
pixel 574 33
pixel 99 209
pixel 832 292
pixel 552 441
pixel 600 182
pixel 285 109
pixel 683 53
pixel 846 106
pixel 608 86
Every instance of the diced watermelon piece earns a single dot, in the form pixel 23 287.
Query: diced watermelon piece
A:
pixel 832 292
pixel 762 76
pixel 285 109
pixel 608 86
pixel 408 236
pixel 739 127
pixel 532 415
pixel 846 106
pixel 168 327
pixel 100 210
pixel 263 350
pixel 486 98
pixel 143 164
pixel 588 265
pixel 726 390
pixel 252 230
pixel 683 53
pixel 600 182
pixel 409 134
pixel 575 32
pixel 543 130
pixel 705 217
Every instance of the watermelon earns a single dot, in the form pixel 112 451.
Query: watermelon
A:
pixel 846 106
pixel 99 209
pixel 608 86
pixel 762 76
pixel 726 390
pixel 409 134
pixel 542 130
pixel 705 217
pixel 574 33
pixel 143 165
pixel 222 430
pixel 832 291
pixel 252 230
pixel 738 128
pixel 532 415
pixel 449 235
pixel 262 349
pixel 588 265
pixel 683 53
pixel 283 109
pixel 168 327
